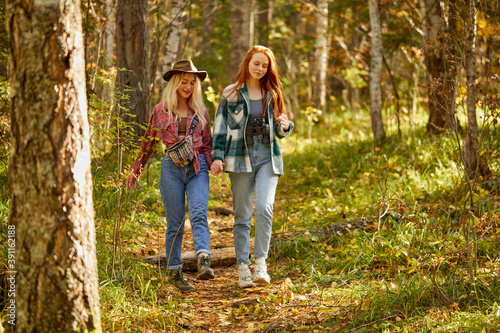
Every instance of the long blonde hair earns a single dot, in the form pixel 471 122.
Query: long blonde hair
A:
pixel 170 101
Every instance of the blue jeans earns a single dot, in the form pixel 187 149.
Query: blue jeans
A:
pixel 175 183
pixel 263 182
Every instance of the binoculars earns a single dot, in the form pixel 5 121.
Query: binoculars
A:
pixel 257 126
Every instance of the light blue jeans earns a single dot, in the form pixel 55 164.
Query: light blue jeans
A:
pixel 175 184
pixel 263 182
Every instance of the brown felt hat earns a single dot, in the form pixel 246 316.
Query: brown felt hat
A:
pixel 184 66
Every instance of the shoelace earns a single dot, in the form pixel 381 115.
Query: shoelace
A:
pixel 260 269
pixel 180 278
pixel 205 261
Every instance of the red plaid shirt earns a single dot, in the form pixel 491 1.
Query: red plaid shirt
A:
pixel 164 128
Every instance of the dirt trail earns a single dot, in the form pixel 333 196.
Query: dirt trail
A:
pixel 219 305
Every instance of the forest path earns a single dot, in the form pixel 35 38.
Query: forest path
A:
pixel 219 305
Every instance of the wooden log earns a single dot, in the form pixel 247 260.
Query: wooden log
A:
pixel 226 256
pixel 220 258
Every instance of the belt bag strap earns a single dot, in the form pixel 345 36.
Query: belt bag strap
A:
pixel 194 123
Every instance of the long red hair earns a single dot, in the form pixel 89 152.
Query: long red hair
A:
pixel 270 83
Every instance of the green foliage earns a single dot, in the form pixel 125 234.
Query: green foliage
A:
pixel 356 77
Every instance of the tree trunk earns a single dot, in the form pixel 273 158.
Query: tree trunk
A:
pixel 209 8
pixel 375 72
pixel 265 18
pixel 440 112
pixel 131 53
pixel 174 35
pixel 319 96
pixel 241 33
pixel 51 217
pixel 475 164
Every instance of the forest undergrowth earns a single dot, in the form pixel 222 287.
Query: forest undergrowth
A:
pixel 419 263
pixel 411 270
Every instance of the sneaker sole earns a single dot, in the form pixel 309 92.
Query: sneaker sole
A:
pixel 185 291
pixel 206 276
pixel 261 281
pixel 250 285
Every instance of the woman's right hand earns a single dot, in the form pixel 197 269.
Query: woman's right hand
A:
pixel 131 181
pixel 217 167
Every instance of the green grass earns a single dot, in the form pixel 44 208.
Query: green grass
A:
pixel 416 269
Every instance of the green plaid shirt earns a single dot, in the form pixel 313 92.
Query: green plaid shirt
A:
pixel 229 140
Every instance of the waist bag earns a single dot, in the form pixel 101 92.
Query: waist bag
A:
pixel 182 152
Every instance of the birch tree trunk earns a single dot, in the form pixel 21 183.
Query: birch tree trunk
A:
pixel 321 55
pixel 51 211
pixel 110 30
pixel 241 33
pixel 174 35
pixel 375 72
pixel 475 164
pixel 131 53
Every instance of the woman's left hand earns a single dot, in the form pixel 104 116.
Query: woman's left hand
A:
pixel 283 121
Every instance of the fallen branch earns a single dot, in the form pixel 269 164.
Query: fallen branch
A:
pixel 226 256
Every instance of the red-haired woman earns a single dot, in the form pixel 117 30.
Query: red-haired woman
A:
pixel 249 118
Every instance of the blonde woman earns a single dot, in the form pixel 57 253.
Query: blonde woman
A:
pixel 181 107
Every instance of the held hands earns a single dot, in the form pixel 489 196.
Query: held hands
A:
pixel 217 167
pixel 283 121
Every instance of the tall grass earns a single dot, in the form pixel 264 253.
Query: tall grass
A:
pixel 411 267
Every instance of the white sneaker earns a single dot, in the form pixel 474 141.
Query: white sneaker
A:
pixel 260 275
pixel 245 277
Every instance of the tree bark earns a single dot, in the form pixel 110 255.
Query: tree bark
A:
pixel 174 35
pixel 209 8
pixel 441 115
pixel 241 33
pixel 375 72
pixel 265 18
pixel 51 211
pixel 475 164
pixel 131 54
pixel 110 29
pixel 321 55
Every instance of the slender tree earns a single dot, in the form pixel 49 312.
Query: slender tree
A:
pixel 209 8
pixel 375 72
pixel 110 30
pixel 475 164
pixel 265 17
pixel 319 94
pixel 241 33
pixel 51 210
pixel 131 54
pixel 434 27
pixel 174 34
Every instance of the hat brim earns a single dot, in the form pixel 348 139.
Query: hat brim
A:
pixel 200 74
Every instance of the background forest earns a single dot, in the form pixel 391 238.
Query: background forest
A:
pixel 388 216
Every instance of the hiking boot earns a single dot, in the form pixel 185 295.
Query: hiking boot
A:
pixel 176 278
pixel 260 275
pixel 204 270
pixel 245 277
